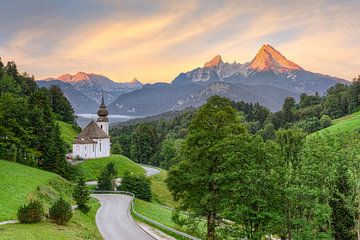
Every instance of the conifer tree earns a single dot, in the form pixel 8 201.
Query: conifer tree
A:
pixel 81 195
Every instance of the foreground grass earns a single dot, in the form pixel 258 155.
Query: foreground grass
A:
pixel 81 226
pixel 20 183
pixel 68 132
pixel 161 193
pixel 92 168
pixel 162 215
pixel 347 123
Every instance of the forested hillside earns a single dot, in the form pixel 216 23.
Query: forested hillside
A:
pixel 156 140
pixel 29 133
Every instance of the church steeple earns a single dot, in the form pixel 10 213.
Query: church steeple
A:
pixel 102 112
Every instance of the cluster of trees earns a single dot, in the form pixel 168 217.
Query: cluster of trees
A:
pixel 28 130
pixel 152 141
pixel 291 186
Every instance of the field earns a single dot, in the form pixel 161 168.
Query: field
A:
pixel 92 168
pixel 20 183
pixel 81 226
pixel 348 123
pixel 68 132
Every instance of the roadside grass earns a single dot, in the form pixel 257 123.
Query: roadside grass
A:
pixel 92 168
pixel 163 215
pixel 160 191
pixel 20 183
pixel 68 133
pixel 81 226
pixel 347 123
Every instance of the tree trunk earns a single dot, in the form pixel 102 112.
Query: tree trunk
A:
pixel 211 226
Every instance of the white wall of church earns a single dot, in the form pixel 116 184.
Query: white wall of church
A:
pixel 84 150
pixel 104 126
pixel 103 147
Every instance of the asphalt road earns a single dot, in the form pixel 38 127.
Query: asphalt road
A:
pixel 114 221
pixel 150 171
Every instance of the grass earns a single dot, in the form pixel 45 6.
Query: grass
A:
pixel 93 167
pixel 161 193
pixel 20 183
pixel 161 214
pixel 347 123
pixel 68 132
pixel 81 226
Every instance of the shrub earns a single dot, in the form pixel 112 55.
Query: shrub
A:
pixel 81 195
pixel 325 121
pixel 116 148
pixel 137 184
pixel 60 212
pixel 31 213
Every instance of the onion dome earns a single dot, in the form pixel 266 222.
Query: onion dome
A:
pixel 102 112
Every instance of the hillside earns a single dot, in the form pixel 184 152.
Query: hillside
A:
pixel 68 132
pixel 20 183
pixel 347 123
pixel 93 167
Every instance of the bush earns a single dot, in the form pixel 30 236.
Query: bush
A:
pixel 60 212
pixel 116 148
pixel 325 121
pixel 81 195
pixel 31 213
pixel 137 184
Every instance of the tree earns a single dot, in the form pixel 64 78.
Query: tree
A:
pixel 137 184
pixel 105 180
pixel 170 148
pixel 325 121
pixel 60 212
pixel 81 195
pixel 288 109
pixel 111 169
pixel 61 106
pixel 194 180
pixel 342 216
pixel 268 132
pixel 116 148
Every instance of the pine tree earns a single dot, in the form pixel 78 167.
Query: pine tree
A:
pixel 81 195
pixel 104 181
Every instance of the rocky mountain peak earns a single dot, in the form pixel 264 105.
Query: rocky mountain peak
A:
pixel 213 62
pixel 269 59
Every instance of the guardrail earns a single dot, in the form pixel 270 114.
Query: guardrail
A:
pixel 146 219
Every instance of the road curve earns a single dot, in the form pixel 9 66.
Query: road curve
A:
pixel 114 221
pixel 150 170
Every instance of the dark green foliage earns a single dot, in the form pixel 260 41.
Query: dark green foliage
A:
pixel 106 176
pixel 81 195
pixel 61 106
pixel 268 132
pixel 342 215
pixel 31 213
pixel 288 109
pixel 28 133
pixel 137 184
pixel 309 125
pixel 325 121
pixel 116 148
pixel 60 212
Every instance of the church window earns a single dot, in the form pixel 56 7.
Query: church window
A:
pixel 101 126
pixel 93 147
pixel 100 146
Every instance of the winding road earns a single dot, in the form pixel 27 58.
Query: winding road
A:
pixel 113 217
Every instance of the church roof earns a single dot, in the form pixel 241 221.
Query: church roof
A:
pixel 89 133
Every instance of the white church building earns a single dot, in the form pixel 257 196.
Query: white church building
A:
pixel 94 140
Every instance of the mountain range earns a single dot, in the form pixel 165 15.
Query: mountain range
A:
pixel 84 90
pixel 267 79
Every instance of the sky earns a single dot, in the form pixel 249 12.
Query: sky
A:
pixel 155 40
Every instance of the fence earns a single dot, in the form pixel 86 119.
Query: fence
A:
pixel 146 219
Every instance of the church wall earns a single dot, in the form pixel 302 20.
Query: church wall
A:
pixel 103 147
pixel 84 150
pixel 104 126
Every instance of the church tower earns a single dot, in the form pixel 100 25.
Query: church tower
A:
pixel 103 121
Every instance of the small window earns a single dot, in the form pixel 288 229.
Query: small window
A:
pixel 100 146
pixel 93 147
pixel 101 126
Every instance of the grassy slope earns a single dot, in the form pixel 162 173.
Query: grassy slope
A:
pixel 347 123
pixel 93 167
pixel 67 132
pixel 20 183
pixel 161 193
pixel 81 226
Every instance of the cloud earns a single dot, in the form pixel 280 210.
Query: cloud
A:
pixel 155 40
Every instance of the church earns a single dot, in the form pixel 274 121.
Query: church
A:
pixel 94 140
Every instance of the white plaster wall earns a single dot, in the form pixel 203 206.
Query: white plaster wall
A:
pixel 104 126
pixel 84 150
pixel 104 150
